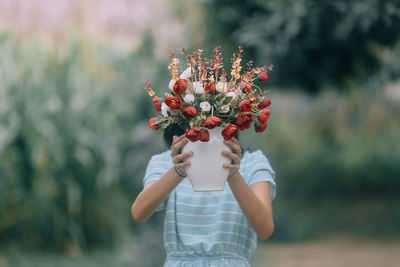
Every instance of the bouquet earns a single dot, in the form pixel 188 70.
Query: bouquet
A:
pixel 202 97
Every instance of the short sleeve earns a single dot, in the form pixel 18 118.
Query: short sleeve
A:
pixel 261 170
pixel 158 165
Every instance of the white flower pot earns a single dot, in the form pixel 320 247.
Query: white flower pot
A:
pixel 206 172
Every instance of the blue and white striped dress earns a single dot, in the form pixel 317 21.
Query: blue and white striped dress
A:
pixel 208 228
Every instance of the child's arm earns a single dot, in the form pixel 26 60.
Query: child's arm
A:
pixel 255 200
pixel 155 192
pixel 255 203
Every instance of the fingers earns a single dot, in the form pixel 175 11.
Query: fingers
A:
pixel 176 139
pixel 234 157
pixel 231 166
pixel 234 146
pixel 183 164
pixel 180 157
pixel 236 141
pixel 176 148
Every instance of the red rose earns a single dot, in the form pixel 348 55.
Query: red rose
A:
pixel 245 87
pixel 229 132
pixel 244 121
pixel 173 102
pixel 263 76
pixel 263 115
pixel 193 134
pixel 264 103
pixel 180 86
pixel 260 127
pixel 153 123
pixel 211 122
pixel 210 88
pixel 189 112
pixel 245 106
pixel 157 104
pixel 204 135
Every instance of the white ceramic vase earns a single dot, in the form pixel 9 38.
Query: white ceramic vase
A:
pixel 206 172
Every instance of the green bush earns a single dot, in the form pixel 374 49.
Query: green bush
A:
pixel 332 152
pixel 70 132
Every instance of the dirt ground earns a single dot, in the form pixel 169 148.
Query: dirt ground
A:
pixel 338 252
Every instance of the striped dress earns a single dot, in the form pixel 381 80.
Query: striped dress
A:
pixel 204 229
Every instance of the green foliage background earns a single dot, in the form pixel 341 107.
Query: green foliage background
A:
pixel 74 140
pixel 315 43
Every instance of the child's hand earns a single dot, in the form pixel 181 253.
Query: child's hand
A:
pixel 178 158
pixel 235 156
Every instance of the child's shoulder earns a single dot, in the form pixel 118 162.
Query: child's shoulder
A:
pixel 254 155
pixel 255 159
pixel 163 156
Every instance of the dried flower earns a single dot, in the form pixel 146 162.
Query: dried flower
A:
pixel 225 109
pixel 203 97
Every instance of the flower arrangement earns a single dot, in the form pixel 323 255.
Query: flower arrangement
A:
pixel 203 98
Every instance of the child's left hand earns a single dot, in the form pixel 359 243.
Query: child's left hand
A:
pixel 235 156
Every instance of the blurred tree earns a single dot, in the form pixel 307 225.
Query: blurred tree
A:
pixel 71 126
pixel 311 42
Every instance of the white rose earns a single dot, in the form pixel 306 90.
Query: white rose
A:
pixel 198 87
pixel 225 109
pixel 232 94
pixel 205 106
pixel 186 74
pixel 221 87
pixel 189 98
pixel 171 84
pixel 164 109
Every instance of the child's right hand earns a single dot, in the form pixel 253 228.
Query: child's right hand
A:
pixel 179 164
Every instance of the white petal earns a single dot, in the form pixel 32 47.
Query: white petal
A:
pixel 186 74
pixel 164 109
pixel 198 87
pixel 232 94
pixel 171 84
pixel 189 98
pixel 205 106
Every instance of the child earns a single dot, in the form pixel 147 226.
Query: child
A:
pixel 209 228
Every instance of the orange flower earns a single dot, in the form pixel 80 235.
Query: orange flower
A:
pixel 153 123
pixel 244 121
pixel 189 112
pixel 245 106
pixel 180 86
pixel 211 122
pixel 263 76
pixel 260 127
pixel 157 104
pixel 263 115
pixel 193 134
pixel 229 132
pixel 173 102
pixel 264 103
pixel 204 135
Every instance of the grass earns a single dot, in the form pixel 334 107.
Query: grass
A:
pixel 344 251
